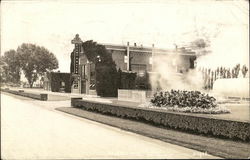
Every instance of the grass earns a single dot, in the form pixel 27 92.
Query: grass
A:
pixel 215 146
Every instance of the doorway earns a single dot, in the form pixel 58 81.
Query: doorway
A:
pixel 83 87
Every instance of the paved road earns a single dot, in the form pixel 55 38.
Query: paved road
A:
pixel 31 131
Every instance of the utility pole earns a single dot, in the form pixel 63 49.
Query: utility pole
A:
pixel 128 56
pixel 153 57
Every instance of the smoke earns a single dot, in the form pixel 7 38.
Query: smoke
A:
pixel 228 49
pixel 165 76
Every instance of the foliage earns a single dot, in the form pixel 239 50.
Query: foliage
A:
pixel 105 68
pixel 179 121
pixel 143 82
pixel 126 80
pixel 210 75
pixel 236 71
pixel 106 81
pixel 200 43
pixel 57 78
pixel 10 67
pixel 244 70
pixel 187 101
pixel 35 61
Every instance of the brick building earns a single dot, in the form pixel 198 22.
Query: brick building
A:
pixel 140 61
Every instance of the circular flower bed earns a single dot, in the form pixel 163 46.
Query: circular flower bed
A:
pixel 186 101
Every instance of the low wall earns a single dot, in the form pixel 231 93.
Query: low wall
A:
pixel 133 95
pixel 42 97
pixel 181 121
pixel 234 87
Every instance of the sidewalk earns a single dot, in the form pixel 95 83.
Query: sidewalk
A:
pixel 239 111
pixel 214 146
pixel 68 96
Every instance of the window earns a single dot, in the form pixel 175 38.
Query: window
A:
pixel 140 69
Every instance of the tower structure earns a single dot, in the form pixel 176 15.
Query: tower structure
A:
pixel 75 71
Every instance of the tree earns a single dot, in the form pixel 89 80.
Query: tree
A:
pixel 3 70
pixel 244 70
pixel 35 61
pixel 105 68
pixel 10 67
pixel 200 46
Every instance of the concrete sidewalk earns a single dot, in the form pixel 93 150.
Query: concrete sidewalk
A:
pixel 218 147
pixel 239 111
pixel 63 96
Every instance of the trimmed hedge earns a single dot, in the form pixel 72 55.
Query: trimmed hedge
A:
pixel 125 80
pixel 42 97
pixel 105 68
pixel 181 121
pixel 55 80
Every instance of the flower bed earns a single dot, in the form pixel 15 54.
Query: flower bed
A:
pixel 186 101
pixel 181 121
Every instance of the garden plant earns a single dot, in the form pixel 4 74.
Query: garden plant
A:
pixel 187 101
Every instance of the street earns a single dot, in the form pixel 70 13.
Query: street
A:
pixel 30 129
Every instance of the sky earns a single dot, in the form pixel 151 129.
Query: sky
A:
pixel 53 24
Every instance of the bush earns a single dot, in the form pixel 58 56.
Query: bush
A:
pixel 105 68
pixel 180 121
pixel 142 82
pixel 106 81
pixel 187 101
pixel 125 80
pixel 56 79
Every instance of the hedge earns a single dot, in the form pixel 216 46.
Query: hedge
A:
pixel 181 121
pixel 42 97
pixel 56 78
pixel 125 80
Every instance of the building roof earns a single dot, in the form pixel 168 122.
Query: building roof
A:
pixel 181 51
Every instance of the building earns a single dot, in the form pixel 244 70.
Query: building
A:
pixel 128 57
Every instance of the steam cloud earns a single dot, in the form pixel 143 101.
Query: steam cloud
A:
pixel 167 77
pixel 229 48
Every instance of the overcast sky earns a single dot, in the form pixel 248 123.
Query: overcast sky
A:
pixel 53 24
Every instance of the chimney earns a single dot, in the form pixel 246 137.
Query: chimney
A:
pixel 135 44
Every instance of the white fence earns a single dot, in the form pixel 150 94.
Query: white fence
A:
pixel 132 95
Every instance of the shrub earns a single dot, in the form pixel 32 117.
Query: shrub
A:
pixel 57 78
pixel 105 68
pixel 187 101
pixel 106 81
pixel 125 80
pixel 142 82
pixel 180 121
